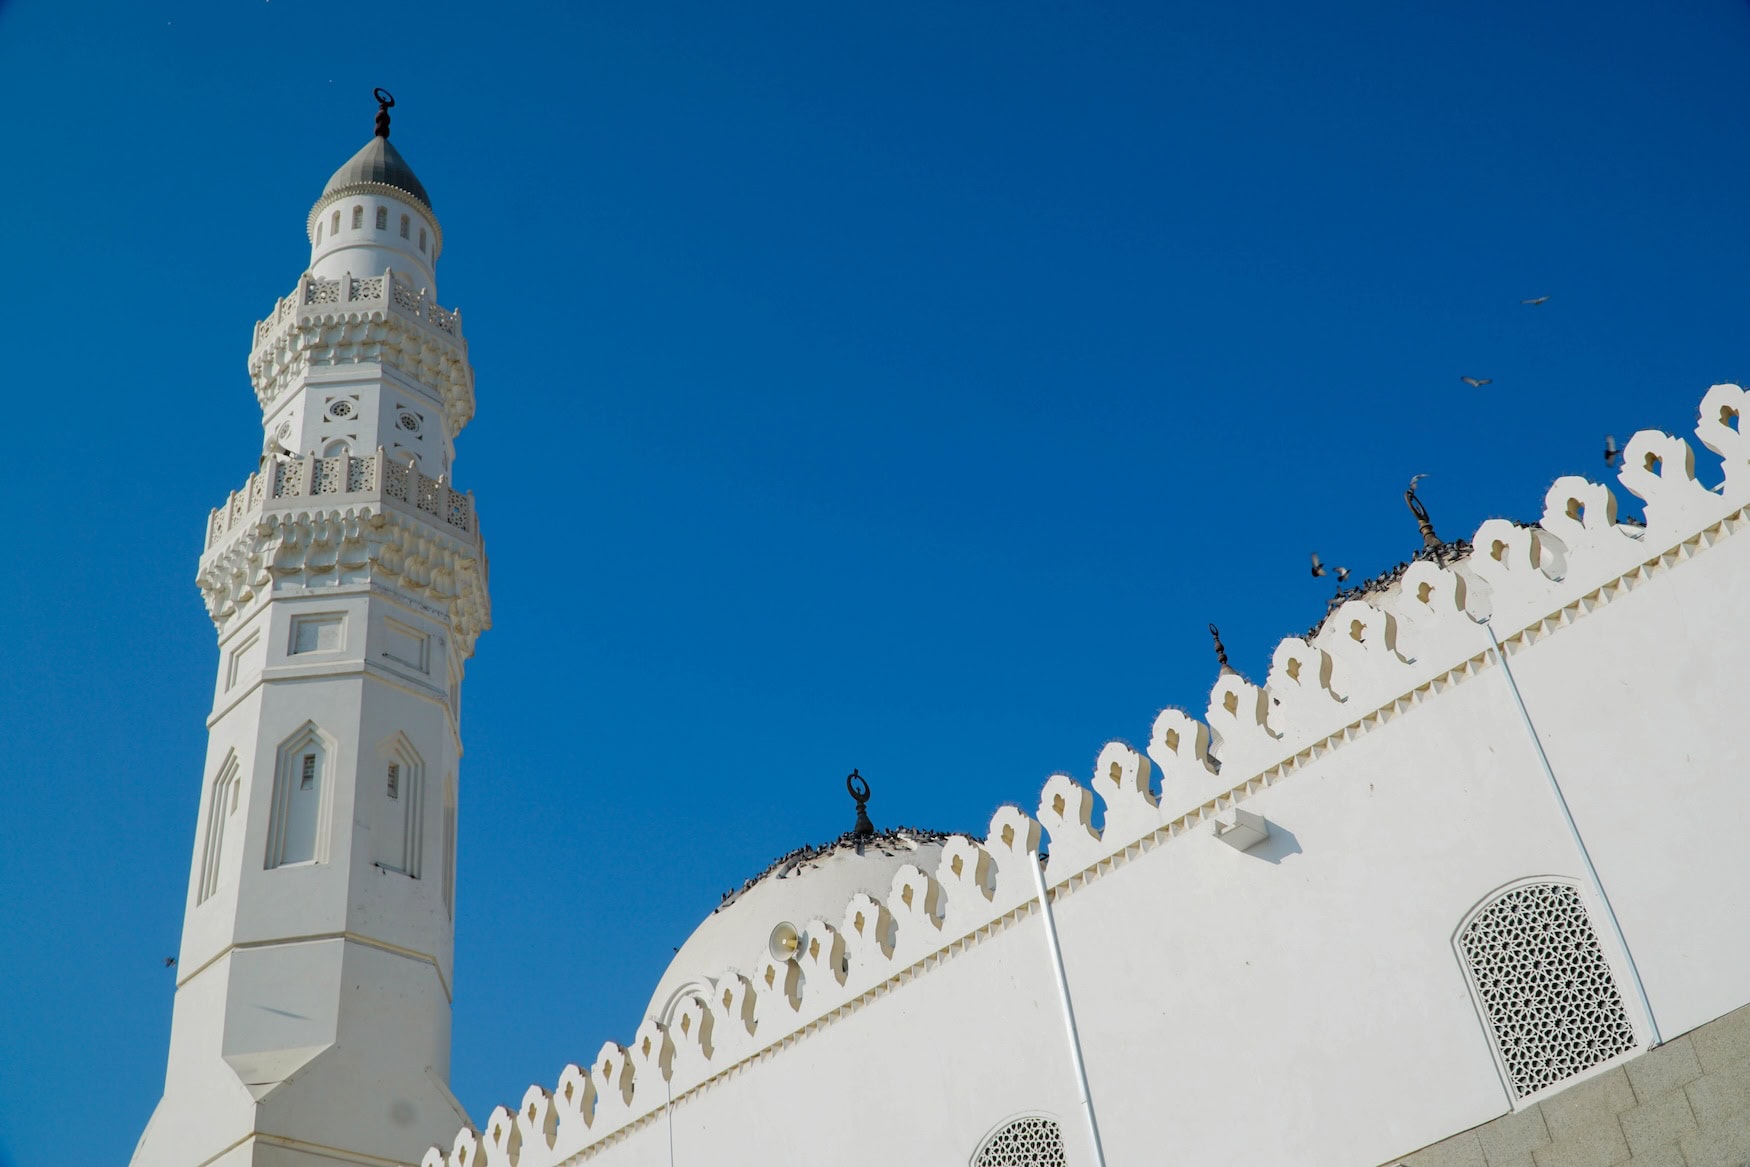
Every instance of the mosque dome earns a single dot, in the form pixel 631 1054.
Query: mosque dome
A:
pixel 807 883
pixel 376 164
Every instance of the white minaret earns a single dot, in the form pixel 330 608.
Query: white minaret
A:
pixel 348 584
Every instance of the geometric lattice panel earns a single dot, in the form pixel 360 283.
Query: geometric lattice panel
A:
pixel 1026 1142
pixel 1547 991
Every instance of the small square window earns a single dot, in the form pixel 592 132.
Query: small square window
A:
pixel 394 780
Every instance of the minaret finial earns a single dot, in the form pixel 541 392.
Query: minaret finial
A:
pixel 1429 539
pixel 385 103
pixel 859 788
pixel 1220 649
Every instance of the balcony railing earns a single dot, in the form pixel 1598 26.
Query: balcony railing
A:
pixel 287 481
pixel 389 290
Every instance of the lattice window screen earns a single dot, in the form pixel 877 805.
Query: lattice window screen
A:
pixel 1034 1141
pixel 1545 986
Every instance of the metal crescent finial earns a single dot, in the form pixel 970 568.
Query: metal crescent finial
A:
pixel 385 103
pixel 859 788
pixel 1429 538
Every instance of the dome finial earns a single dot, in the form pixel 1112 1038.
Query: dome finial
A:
pixel 859 788
pixel 385 103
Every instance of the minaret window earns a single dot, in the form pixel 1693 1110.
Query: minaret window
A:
pixel 422 238
pixel 223 805
pixel 334 224
pixel 336 449
pixel 358 218
pixel 318 233
pixel 297 821
pixel 406 222
pixel 398 819
pixel 449 873
pixel 382 218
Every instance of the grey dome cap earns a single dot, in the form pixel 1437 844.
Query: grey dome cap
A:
pixel 377 164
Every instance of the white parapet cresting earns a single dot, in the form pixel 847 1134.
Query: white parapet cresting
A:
pixel 1374 658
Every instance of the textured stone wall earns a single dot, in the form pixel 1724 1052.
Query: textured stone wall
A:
pixel 1685 1104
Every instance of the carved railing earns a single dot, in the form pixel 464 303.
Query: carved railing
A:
pixel 285 480
pixel 389 290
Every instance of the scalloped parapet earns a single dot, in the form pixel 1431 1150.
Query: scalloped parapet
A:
pixel 1374 658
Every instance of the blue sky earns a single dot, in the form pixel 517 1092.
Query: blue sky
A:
pixel 902 387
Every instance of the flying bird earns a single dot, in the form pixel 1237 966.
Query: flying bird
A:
pixel 169 961
pixel 1319 569
pixel 1477 382
pixel 1611 453
pixel 1536 300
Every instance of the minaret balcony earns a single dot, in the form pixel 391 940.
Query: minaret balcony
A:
pixel 304 482
pixel 389 290
pixel 384 319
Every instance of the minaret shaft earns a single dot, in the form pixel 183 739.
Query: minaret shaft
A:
pixel 347 582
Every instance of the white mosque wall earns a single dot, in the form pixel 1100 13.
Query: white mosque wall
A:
pixel 1305 1000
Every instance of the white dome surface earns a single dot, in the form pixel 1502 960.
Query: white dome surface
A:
pixel 813 882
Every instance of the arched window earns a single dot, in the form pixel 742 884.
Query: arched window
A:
pixel 318 233
pixel 226 785
pixel 297 823
pixel 1543 985
pixel 382 218
pixel 398 812
pixel 358 218
pixel 449 873
pixel 406 222
pixel 1031 1141
pixel 336 449
pixel 422 238
pixel 334 224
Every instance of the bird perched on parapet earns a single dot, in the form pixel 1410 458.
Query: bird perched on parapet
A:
pixel 1477 382
pixel 1319 569
pixel 169 961
pixel 1536 300
pixel 1611 453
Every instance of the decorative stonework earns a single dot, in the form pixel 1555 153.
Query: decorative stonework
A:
pixel 288 479
pixel 1544 985
pixel 1034 1141
pixel 382 320
pixel 1373 660
pixel 363 520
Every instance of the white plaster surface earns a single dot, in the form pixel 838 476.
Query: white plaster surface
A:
pixel 1303 1001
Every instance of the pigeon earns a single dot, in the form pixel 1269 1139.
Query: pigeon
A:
pixel 1611 453
pixel 169 961
pixel 1319 569
pixel 1477 382
pixel 1536 300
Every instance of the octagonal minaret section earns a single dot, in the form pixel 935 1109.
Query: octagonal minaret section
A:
pixel 347 582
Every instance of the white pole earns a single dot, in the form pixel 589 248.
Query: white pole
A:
pixel 1069 1015
pixel 1574 833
